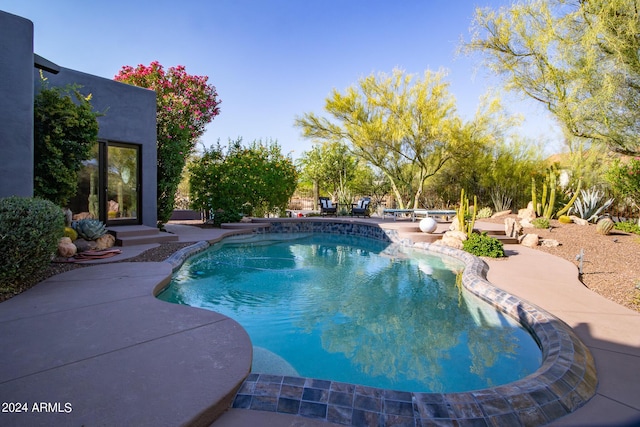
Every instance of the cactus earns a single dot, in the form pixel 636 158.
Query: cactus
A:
pixel 466 225
pixel 604 226
pixel 540 223
pixel 70 233
pixel 570 202
pixel 90 229
pixel 564 219
pixel 544 207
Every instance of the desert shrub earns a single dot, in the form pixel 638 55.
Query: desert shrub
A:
pixel 483 245
pixel 485 212
pixel 540 223
pixel 29 233
pixel 628 227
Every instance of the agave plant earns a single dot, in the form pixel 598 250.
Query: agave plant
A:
pixel 89 229
pixel 589 205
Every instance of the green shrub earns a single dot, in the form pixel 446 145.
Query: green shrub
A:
pixel 483 245
pixel 628 227
pixel 540 223
pixel 221 217
pixel 65 132
pixel 256 180
pixel 29 233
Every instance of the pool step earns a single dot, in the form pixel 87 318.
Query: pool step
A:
pixel 130 235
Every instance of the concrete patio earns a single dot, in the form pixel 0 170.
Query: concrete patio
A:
pixel 97 348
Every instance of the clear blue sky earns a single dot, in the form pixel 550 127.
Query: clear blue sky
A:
pixel 272 60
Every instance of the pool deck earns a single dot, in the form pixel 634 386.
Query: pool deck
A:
pixel 93 346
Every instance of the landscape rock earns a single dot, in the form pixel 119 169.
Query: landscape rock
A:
pixel 460 235
pixel 512 228
pixel 105 242
pixel 82 215
pixel 455 224
pixel 451 242
pixel 501 214
pixel 550 243
pixel 530 240
pixel 66 248
pixel 578 220
pixel 85 245
pixel 453 239
pixel 527 214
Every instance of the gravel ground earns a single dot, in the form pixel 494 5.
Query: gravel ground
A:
pixel 611 264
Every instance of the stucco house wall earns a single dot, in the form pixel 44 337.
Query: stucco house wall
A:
pixel 16 106
pixel 129 113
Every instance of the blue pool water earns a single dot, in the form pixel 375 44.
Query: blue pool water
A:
pixel 356 310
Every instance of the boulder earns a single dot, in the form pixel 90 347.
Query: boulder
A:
pixel 525 223
pixel 451 242
pixel 247 219
pixel 82 215
pixel 550 243
pixel 455 224
pixel 530 240
pixel 501 214
pixel 105 242
pixel 512 228
pixel 453 239
pixel 66 248
pixel 527 214
pixel 85 245
pixel 578 220
pixel 460 235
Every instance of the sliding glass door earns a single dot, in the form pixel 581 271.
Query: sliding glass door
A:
pixel 109 185
pixel 122 192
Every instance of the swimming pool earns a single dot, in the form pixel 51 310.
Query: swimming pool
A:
pixel 357 310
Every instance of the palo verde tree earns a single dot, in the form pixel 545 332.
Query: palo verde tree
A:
pixel 330 167
pixel 65 131
pixel 402 125
pixel 185 104
pixel 579 58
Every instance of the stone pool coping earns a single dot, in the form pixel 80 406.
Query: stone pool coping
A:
pixel 565 381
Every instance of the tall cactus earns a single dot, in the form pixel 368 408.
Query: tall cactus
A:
pixel 463 212
pixel 545 208
pixel 571 201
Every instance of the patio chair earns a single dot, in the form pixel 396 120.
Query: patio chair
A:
pixel 327 207
pixel 361 208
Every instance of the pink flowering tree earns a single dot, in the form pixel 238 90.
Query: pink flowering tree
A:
pixel 185 104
